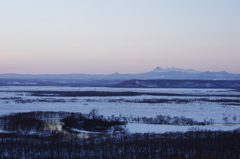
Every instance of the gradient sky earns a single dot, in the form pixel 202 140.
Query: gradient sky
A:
pixel 124 36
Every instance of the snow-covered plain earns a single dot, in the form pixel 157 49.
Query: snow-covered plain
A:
pixel 107 106
pixel 110 89
pixel 145 128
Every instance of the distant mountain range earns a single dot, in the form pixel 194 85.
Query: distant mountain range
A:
pixel 157 73
pixel 179 84
pixel 173 69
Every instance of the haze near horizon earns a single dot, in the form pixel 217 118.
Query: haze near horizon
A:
pixel 103 37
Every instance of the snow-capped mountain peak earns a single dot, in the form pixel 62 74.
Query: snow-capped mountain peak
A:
pixel 157 69
pixel 173 69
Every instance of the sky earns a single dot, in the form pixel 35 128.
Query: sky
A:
pixel 124 36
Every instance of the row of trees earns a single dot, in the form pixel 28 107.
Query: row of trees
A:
pixel 190 145
pixel 34 121
pixel 45 100
pixel 176 100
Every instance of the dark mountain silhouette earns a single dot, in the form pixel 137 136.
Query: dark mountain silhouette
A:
pixel 179 84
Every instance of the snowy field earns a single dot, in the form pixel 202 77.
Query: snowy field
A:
pixel 223 105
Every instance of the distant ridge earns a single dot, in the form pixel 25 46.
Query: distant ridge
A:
pixel 157 73
pixel 179 84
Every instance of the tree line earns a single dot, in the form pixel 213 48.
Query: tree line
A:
pixel 189 145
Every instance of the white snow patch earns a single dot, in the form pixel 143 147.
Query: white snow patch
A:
pixel 145 128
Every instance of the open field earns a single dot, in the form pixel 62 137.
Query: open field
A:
pixel 221 106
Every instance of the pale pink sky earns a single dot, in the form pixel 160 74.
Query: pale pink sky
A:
pixel 58 37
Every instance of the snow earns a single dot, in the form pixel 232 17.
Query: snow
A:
pixel 145 128
pixel 109 89
pixel 82 131
pixel 196 110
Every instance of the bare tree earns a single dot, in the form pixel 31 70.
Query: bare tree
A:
pixel 93 113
